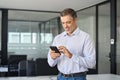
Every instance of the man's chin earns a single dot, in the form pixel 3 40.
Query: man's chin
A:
pixel 68 32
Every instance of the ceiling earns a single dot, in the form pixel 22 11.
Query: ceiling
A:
pixel 48 5
pixel 43 5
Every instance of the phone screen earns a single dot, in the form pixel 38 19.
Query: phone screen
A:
pixel 55 49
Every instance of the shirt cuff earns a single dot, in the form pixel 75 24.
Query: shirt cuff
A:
pixel 52 60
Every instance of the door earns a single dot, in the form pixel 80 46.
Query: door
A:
pixel 118 38
pixel 104 38
pixel 87 23
pixel 0 34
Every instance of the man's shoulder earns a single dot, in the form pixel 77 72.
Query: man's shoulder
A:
pixel 84 33
pixel 60 35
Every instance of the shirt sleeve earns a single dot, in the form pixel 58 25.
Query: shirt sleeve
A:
pixel 51 61
pixel 88 59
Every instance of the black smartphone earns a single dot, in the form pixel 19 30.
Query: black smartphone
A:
pixel 55 49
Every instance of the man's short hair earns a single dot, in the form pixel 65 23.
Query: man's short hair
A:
pixel 69 11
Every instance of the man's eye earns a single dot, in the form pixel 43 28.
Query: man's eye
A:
pixel 68 22
pixel 63 23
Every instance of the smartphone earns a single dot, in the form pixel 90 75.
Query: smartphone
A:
pixel 55 49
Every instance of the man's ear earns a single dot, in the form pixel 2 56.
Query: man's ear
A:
pixel 75 19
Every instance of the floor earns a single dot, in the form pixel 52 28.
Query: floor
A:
pixel 89 77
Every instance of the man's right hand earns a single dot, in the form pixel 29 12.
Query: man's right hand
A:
pixel 54 55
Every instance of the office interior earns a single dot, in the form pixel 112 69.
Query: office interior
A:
pixel 26 34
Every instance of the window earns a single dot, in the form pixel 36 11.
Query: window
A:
pixel 13 37
pixel 31 33
pixel 16 37
pixel 46 38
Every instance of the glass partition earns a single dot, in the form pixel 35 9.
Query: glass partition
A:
pixel 87 23
pixel 118 38
pixel 31 33
pixel 0 33
pixel 104 38
pixel 0 27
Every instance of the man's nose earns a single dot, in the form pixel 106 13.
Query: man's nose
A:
pixel 65 25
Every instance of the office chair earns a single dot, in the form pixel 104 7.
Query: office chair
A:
pixel 30 65
pixel 42 67
pixel 13 62
pixel 22 68
pixel 26 68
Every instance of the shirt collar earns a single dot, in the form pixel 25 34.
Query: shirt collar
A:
pixel 74 33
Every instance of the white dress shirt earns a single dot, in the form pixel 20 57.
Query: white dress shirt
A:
pixel 82 48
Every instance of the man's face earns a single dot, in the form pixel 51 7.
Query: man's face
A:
pixel 68 23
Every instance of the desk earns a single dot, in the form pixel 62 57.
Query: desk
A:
pixel 89 77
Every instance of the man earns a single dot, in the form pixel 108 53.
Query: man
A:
pixel 77 51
